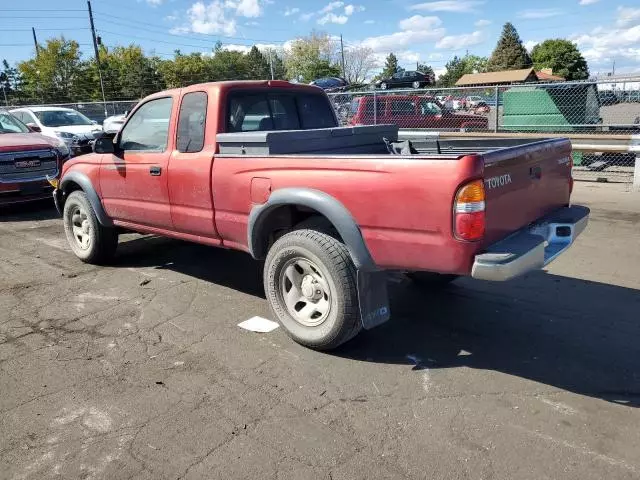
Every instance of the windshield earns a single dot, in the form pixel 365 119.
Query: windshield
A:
pixel 10 124
pixel 61 118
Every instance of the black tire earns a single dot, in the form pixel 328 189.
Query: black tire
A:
pixel 431 279
pixel 102 241
pixel 383 86
pixel 416 84
pixel 330 259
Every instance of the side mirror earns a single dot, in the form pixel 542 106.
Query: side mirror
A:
pixel 93 122
pixel 126 113
pixel 33 127
pixel 104 145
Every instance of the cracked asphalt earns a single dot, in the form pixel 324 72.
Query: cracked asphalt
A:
pixel 139 371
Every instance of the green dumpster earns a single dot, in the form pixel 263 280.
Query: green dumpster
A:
pixel 551 108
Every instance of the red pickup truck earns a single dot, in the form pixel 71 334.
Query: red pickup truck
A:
pixel 26 160
pixel 262 167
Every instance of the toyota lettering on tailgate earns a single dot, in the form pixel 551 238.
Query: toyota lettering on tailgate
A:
pixel 495 182
pixel 27 163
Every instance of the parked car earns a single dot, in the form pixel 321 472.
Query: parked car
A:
pixel 411 111
pixel 328 222
pixel 608 97
pixel 330 83
pixel 26 160
pixel 473 101
pixel 405 79
pixel 114 123
pixel 66 124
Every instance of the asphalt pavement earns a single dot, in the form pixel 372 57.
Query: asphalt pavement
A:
pixel 139 371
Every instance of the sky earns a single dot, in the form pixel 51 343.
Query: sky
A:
pixel 432 32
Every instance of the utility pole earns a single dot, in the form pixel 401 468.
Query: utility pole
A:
pixel 344 72
pixel 613 72
pixel 271 65
pixel 35 42
pixel 6 102
pixel 95 49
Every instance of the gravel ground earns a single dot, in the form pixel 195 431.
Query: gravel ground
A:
pixel 138 370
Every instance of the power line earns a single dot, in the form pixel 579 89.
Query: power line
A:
pixel 163 30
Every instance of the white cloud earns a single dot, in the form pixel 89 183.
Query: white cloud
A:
pixel 246 48
pixel 459 6
pixel 529 44
pixel 208 19
pixel 351 9
pixel 628 16
pixel 331 6
pixel 291 11
pixel 251 24
pixel 538 13
pixel 588 2
pixel 603 45
pixel 154 3
pixel 333 18
pixel 245 8
pixel 457 42
pixel 369 22
pixel 482 23
pixel 305 17
pixel 413 30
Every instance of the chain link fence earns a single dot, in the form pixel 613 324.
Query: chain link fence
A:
pixel 602 109
pixel 599 109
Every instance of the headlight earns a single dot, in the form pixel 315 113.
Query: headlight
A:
pixel 62 149
pixel 65 135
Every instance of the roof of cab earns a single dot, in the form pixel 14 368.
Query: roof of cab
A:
pixel 233 84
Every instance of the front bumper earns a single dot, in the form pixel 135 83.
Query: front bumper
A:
pixel 533 247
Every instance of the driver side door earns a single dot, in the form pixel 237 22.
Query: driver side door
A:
pixel 133 180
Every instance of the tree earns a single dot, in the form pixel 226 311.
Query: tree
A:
pixel 312 57
pixel 390 66
pixel 459 66
pixel 276 59
pixel 510 53
pixel 57 74
pixel 10 83
pixel 358 63
pixel 563 57
pixel 257 64
pixel 128 73
pixel 428 71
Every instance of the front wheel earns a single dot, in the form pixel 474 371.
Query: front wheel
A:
pixel 311 284
pixel 89 241
pixel 415 84
pixel 383 86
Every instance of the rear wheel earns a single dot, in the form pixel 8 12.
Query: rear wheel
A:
pixel 383 86
pixel 89 241
pixel 310 282
pixel 431 279
pixel 415 84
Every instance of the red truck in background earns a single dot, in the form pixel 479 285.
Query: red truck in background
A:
pixel 26 160
pixel 411 111
pixel 262 167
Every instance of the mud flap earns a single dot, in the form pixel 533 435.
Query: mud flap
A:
pixel 373 298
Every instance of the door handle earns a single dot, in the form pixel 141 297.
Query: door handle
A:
pixel 155 171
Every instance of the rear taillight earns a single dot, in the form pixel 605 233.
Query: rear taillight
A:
pixel 468 211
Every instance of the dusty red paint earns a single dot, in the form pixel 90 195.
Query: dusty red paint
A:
pixel 403 206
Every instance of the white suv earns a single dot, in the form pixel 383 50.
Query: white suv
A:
pixel 71 126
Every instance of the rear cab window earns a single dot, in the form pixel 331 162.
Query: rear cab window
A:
pixel 273 110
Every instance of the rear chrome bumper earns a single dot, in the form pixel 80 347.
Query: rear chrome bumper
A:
pixel 533 247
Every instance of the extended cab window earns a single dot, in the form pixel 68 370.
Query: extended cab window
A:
pixel 429 107
pixel 191 122
pixel 148 127
pixel 278 111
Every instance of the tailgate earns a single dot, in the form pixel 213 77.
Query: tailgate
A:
pixel 525 183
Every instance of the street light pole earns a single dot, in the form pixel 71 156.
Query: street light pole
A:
pixel 95 49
